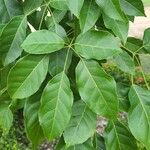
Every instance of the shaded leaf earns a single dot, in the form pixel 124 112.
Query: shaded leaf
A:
pixel 118 137
pixel 82 124
pixel 33 128
pixel 57 61
pixel 9 9
pixel 13 35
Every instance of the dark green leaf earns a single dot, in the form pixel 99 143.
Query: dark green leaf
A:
pixel 57 61
pixel 9 9
pixel 13 35
pixel 33 128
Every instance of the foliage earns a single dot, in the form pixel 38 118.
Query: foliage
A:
pixel 52 58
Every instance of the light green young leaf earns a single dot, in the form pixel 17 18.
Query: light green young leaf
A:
pixel 97 89
pixel 146 40
pixel 13 35
pixel 75 6
pixel 118 137
pixel 89 15
pixel 55 109
pixel 33 128
pixel 112 9
pixel 133 7
pixel 27 75
pixel 9 9
pixel 82 124
pixel 120 28
pixel 139 114
pixel 125 62
pixel 42 42
pixel 97 45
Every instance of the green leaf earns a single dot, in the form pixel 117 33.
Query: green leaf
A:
pixel 13 35
pixel 60 31
pixel 59 4
pixel 1 28
pixel 75 6
pixel 33 128
pixel 133 7
pixel 100 46
pixel 27 75
pixel 30 5
pixel 82 124
pixel 120 28
pixel 56 65
pixel 101 98
pixel 89 15
pixel 6 118
pixel 55 18
pixel 133 44
pixel 145 63
pixel 146 40
pixel 42 42
pixel 99 142
pixel 125 62
pixel 112 9
pixel 9 9
pixel 88 145
pixel 139 114
pixel 56 103
pixel 118 137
